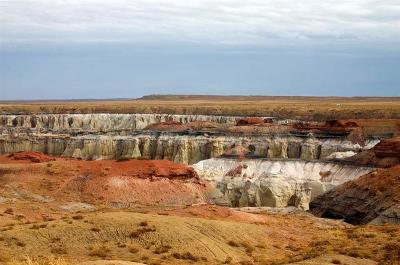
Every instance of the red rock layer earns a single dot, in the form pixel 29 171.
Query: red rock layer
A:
pixel 362 200
pixel 34 157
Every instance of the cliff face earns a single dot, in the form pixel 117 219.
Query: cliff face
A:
pixel 373 198
pixel 384 154
pixel 102 122
pixel 119 136
pixel 186 149
pixel 274 183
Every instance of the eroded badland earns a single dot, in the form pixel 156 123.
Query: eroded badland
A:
pixel 201 180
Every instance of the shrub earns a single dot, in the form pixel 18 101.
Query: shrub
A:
pixel 141 231
pixel 249 248
pixel 162 249
pixel 77 217
pixel 133 250
pixel 228 260
pixel 143 223
pixel 186 256
pixel 9 211
pixel 233 244
pixel 59 250
pixel 95 229
pixel 20 243
pixel 121 245
pixel 101 251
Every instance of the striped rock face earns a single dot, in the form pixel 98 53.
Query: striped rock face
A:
pixel 274 183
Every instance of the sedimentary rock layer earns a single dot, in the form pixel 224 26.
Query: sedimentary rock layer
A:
pixel 186 149
pixel 274 183
pixel 102 122
pixel 373 198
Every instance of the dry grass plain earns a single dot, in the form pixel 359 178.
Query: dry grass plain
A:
pixel 168 239
pixel 308 108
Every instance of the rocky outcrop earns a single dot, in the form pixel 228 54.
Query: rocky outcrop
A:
pixel 34 157
pixel 388 148
pixel 278 183
pixel 253 121
pixel 186 149
pixel 384 154
pixel 102 122
pixel 373 197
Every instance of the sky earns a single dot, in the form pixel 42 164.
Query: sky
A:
pixel 53 49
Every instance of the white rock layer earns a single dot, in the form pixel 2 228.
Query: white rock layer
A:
pixel 280 183
pixel 102 121
pixel 179 148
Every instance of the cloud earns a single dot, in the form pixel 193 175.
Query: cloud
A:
pixel 255 22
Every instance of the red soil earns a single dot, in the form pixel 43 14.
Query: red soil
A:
pixel 382 180
pixel 252 121
pixel 126 184
pixel 149 169
pixel 35 157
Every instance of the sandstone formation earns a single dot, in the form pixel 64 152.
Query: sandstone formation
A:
pixel 277 183
pixel 180 138
pixel 102 122
pixel 186 149
pixel 373 198
pixel 173 126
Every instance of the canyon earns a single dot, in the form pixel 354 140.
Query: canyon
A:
pixel 287 162
pixel 113 136
pixel 179 188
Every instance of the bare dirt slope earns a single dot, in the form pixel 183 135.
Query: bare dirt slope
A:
pixel 72 184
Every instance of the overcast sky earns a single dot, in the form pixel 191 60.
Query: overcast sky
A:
pixel 121 48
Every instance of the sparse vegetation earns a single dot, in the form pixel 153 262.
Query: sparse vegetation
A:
pixel 142 230
pixel 336 261
pixel 313 108
pixel 59 250
pixel 162 249
pixel 143 223
pixel 233 244
pixel 77 217
pixel 100 251
pixel 187 256
pixel 133 250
